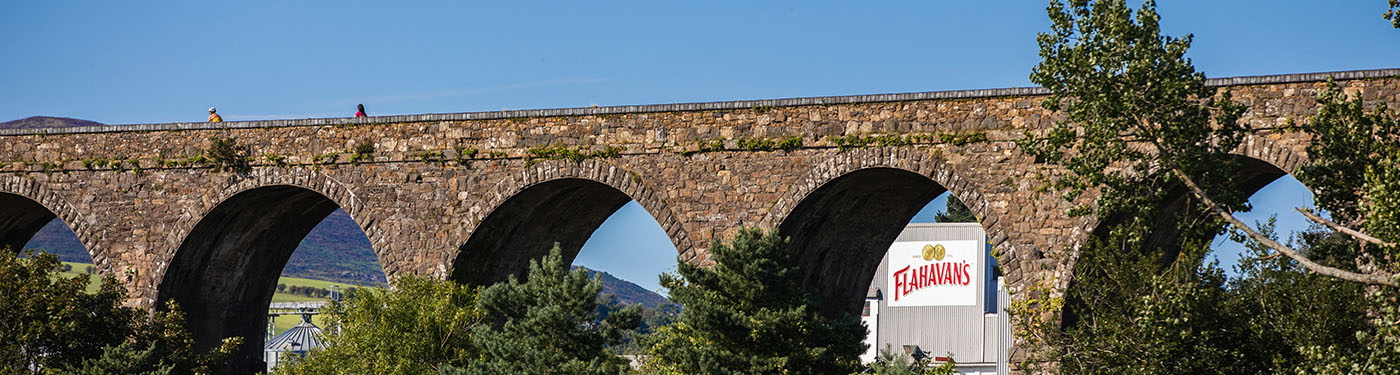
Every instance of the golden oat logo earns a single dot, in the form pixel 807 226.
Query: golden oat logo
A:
pixel 932 252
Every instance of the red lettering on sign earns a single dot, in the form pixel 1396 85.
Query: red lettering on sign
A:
pixel 899 282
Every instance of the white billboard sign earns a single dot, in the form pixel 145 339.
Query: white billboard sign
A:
pixel 933 273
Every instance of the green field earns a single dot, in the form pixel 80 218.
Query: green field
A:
pixel 94 282
pixel 283 322
pixel 287 321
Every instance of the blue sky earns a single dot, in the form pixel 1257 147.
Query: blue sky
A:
pixel 148 61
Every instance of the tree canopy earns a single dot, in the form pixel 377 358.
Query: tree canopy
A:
pixel 419 327
pixel 53 325
pixel 749 314
pixel 1140 127
pixel 549 324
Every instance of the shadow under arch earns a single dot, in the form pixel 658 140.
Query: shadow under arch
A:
pixel 844 227
pixel 226 269
pixel 20 219
pixel 528 224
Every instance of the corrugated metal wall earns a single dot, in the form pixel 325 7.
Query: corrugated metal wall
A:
pixel 967 332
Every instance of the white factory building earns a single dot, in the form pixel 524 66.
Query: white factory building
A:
pixel 937 292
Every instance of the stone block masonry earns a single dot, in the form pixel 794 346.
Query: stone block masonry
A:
pixel 473 196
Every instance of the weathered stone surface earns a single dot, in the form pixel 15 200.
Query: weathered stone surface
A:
pixel 215 240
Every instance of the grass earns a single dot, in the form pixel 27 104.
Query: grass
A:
pixel 94 281
pixel 282 323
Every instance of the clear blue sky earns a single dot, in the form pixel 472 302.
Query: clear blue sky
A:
pixel 140 62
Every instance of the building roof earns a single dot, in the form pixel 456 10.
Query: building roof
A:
pixel 302 337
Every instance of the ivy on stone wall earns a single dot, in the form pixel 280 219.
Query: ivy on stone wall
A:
pixel 561 152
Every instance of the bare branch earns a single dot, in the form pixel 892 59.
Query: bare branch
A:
pixel 1377 278
pixel 1340 228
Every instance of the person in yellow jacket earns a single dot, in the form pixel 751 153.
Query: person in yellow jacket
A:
pixel 213 116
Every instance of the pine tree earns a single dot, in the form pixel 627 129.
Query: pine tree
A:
pixel 955 212
pixel 748 314
pixel 546 325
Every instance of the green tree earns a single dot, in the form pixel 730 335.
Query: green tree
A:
pixel 749 314
pixel 1129 313
pixel 955 212
pixel 1141 123
pixel 53 325
pixel 51 320
pixel 549 324
pixel 417 328
pixel 160 344
pixel 1393 14
pixel 1354 167
pixel 1286 309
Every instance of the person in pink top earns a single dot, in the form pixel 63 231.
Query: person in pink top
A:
pixel 361 111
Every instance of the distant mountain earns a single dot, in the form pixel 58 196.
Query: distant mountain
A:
pixel 40 122
pixel 57 239
pixel 626 292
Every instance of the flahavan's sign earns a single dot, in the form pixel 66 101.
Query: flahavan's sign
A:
pixel 933 273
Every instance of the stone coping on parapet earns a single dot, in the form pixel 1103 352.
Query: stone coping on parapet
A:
pixel 677 107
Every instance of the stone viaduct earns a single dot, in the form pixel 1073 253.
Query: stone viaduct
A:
pixel 473 196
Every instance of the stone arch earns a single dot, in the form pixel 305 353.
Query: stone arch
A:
pixel 26 205
pixel 223 263
pixel 845 212
pixel 1285 151
pixel 553 201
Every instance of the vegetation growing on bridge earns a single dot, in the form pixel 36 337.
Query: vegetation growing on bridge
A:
pixel 275 159
pixel 749 144
pixel 326 158
pixel 856 141
pixel 364 151
pixel 464 154
pixel 227 155
pixel 575 154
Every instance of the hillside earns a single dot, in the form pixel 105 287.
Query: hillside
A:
pixel 39 122
pixel 626 292
pixel 57 239
pixel 336 250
